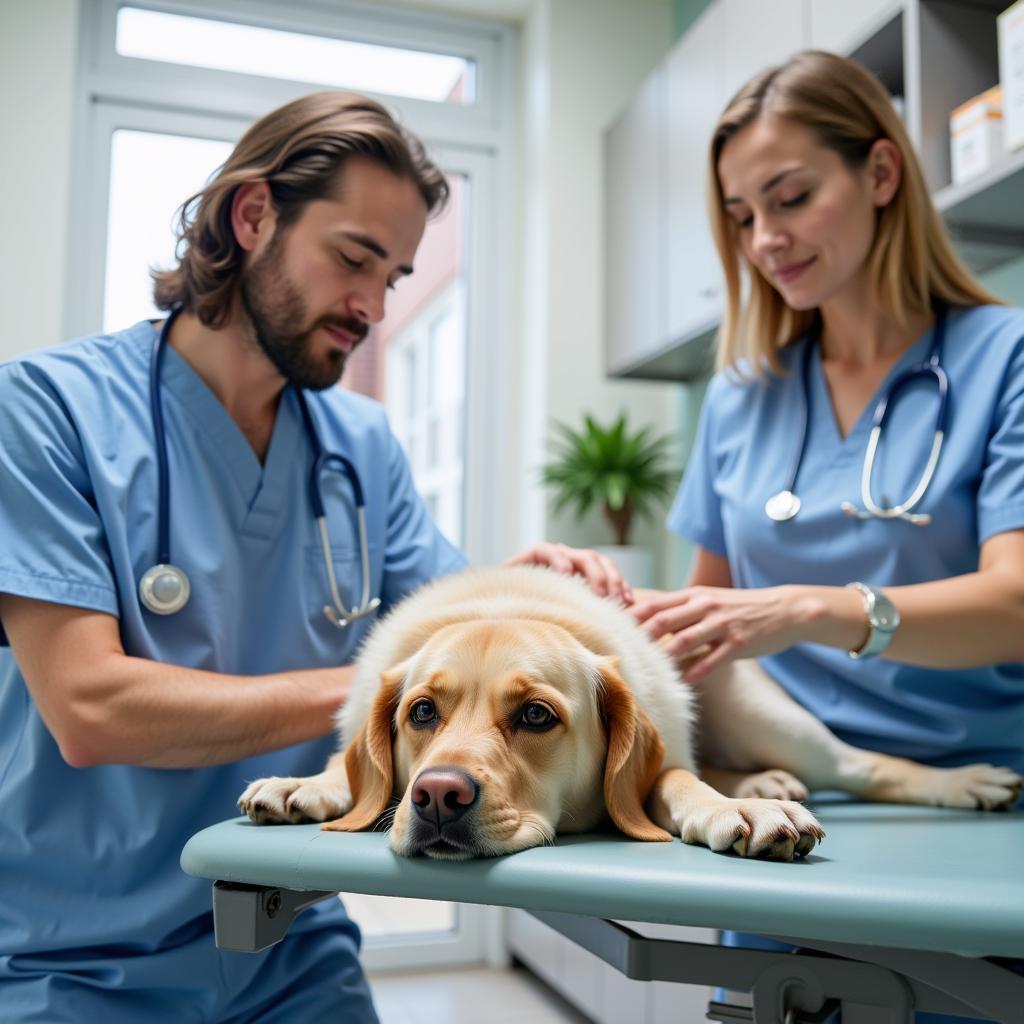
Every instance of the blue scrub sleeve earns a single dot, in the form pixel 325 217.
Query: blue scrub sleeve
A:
pixel 416 550
pixel 1001 493
pixel 52 542
pixel 696 513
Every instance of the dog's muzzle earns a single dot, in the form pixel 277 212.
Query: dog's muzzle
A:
pixel 445 800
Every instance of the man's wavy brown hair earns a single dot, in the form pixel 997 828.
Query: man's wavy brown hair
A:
pixel 299 150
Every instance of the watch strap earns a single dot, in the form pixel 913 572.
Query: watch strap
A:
pixel 883 620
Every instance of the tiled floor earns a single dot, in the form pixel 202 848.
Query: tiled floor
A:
pixel 476 995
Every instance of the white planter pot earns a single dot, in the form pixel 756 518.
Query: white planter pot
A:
pixel 634 562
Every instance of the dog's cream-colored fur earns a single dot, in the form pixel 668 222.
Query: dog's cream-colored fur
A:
pixel 487 651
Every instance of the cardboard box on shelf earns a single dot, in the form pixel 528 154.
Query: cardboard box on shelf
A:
pixel 1010 30
pixel 976 134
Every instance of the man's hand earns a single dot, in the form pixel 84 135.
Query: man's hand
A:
pixel 601 575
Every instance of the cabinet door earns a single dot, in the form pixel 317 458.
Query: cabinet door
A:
pixel 635 228
pixel 696 93
pixel 760 35
pixel 840 27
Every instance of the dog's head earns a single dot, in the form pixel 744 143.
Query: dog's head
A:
pixel 494 736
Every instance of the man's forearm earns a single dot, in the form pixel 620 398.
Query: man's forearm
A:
pixel 162 716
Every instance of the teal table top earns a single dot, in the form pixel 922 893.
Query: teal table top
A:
pixel 910 877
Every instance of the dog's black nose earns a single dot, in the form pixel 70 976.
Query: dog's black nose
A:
pixel 443 795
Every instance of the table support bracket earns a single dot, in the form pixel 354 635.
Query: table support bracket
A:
pixel 248 918
pixel 870 988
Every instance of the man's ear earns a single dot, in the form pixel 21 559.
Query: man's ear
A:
pixel 252 214
pixel 368 763
pixel 635 755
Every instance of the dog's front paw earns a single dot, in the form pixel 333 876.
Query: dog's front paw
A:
pixel 771 829
pixel 982 787
pixel 317 798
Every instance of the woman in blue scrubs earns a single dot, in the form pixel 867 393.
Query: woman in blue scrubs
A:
pixel 819 201
pixel 122 731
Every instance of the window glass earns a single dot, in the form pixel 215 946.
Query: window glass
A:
pixel 150 176
pixel 271 53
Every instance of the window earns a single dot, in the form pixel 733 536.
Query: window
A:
pixel 164 95
pixel 151 174
pixel 299 57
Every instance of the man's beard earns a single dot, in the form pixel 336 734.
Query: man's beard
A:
pixel 274 306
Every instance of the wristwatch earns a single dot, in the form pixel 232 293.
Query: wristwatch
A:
pixel 883 618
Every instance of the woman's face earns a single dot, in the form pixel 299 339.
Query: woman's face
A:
pixel 805 220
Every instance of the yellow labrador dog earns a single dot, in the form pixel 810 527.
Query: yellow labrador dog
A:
pixel 495 708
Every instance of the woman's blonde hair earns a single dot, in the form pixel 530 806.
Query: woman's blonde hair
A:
pixel 912 262
pixel 299 150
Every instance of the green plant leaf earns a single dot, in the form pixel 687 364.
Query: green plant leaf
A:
pixel 626 472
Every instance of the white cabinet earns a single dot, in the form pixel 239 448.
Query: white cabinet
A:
pixel 634 227
pixel 663 282
pixel 696 95
pixel 840 27
pixel 730 42
pixel 759 35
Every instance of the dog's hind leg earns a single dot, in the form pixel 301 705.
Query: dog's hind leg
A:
pixel 749 724
pixel 689 808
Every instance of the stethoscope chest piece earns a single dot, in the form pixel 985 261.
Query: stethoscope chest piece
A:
pixel 782 506
pixel 164 589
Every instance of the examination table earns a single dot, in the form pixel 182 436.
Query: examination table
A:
pixel 900 908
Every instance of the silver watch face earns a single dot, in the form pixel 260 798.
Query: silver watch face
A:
pixel 884 615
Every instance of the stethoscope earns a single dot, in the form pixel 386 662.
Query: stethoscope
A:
pixel 786 504
pixel 164 589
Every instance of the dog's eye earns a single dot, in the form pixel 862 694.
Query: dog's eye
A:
pixel 423 712
pixel 537 716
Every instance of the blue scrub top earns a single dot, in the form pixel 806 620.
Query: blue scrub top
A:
pixel 89 857
pixel 743 454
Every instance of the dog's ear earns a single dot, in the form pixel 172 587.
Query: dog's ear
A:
pixel 635 754
pixel 368 762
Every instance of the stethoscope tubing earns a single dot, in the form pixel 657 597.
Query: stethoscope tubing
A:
pixel 165 588
pixel 339 615
pixel 156 404
pixel 932 366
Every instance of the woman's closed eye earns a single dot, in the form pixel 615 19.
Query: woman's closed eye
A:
pixel 747 220
pixel 352 264
pixel 798 200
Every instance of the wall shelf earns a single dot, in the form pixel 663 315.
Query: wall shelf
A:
pixel 986 214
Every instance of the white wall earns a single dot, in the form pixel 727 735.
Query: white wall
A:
pixel 38 50
pixel 582 62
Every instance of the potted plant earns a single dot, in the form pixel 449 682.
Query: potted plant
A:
pixel 627 473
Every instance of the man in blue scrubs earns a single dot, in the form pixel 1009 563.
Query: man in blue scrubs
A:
pixel 122 732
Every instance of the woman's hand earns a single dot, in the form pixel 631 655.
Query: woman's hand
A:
pixel 601 575
pixel 706 627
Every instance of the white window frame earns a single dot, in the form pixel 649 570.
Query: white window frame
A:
pixel 475 139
